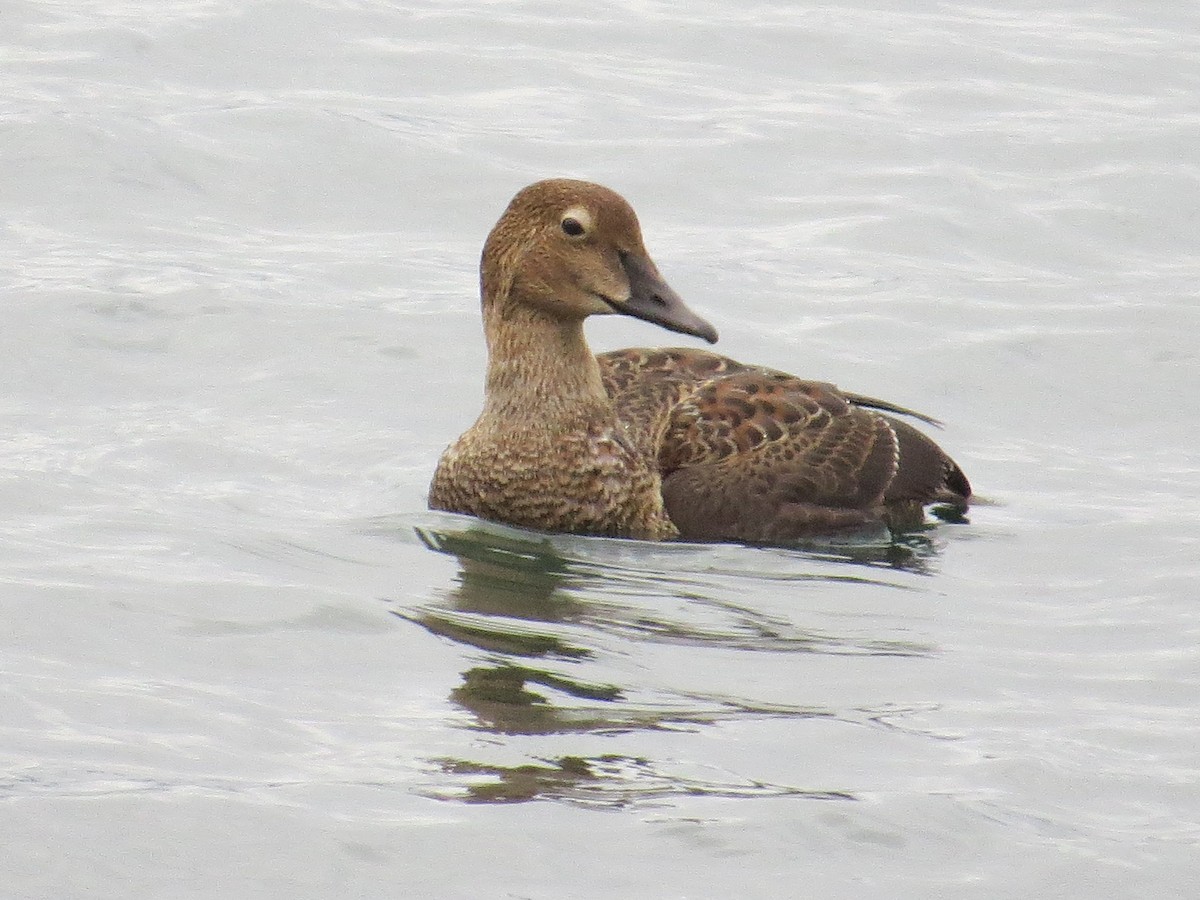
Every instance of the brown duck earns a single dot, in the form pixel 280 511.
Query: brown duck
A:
pixel 658 444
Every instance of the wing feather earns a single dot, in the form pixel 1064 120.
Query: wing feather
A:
pixel 750 453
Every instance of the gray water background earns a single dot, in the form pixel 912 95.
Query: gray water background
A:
pixel 239 323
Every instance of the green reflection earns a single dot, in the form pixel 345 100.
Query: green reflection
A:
pixel 506 575
pixel 517 784
pixel 603 781
pixel 534 608
pixel 495 638
pixel 499 699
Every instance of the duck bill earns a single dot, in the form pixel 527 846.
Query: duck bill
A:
pixel 651 299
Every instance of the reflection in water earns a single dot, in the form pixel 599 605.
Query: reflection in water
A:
pixel 540 606
pixel 604 781
pixel 498 697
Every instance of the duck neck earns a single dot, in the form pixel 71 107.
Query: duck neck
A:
pixel 540 368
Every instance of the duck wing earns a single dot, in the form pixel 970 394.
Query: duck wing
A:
pixel 768 458
pixel 645 384
pixel 752 454
pixel 623 370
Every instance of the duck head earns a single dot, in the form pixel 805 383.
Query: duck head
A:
pixel 572 249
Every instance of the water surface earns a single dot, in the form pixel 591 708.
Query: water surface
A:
pixel 240 324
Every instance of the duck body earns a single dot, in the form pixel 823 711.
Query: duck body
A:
pixel 658 444
pixel 578 475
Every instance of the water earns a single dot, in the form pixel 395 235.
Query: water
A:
pixel 240 659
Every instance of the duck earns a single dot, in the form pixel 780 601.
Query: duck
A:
pixel 660 444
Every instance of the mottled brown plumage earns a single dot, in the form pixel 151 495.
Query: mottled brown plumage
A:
pixel 658 444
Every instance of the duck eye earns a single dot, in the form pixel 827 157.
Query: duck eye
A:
pixel 572 227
